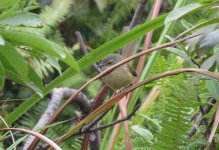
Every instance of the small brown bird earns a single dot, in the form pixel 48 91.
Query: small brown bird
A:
pixel 121 76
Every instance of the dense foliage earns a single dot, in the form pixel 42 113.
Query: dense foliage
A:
pixel 39 51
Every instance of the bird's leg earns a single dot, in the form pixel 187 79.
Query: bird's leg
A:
pixel 123 88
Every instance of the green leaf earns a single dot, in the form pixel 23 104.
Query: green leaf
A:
pixel 118 42
pixel 25 19
pixel 87 61
pixel 7 3
pixel 206 1
pixel 179 53
pixel 146 134
pixel 53 62
pixel 208 41
pixel 14 59
pixel 2 77
pixel 35 81
pixel 186 24
pixel 200 25
pixel 13 76
pixel 31 80
pixel 101 4
pixel 17 69
pixel 2 41
pixel 152 121
pixel 210 61
pixel 180 12
pixel 42 44
pixel 8 12
pixel 213 88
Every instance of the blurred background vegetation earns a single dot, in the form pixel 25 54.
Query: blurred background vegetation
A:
pixel 162 125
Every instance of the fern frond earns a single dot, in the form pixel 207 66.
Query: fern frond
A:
pixel 42 67
pixel 139 143
pixel 118 16
pixel 177 123
pixel 56 36
pixel 55 13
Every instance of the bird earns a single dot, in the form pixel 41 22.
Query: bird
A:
pixel 119 78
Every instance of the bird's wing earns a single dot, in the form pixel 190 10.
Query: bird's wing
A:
pixel 132 70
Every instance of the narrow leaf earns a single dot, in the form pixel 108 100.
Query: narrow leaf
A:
pixel 7 3
pixel 2 41
pixel 180 12
pixel 14 66
pixel 179 53
pixel 186 24
pixel 42 44
pixel 14 59
pixel 25 19
pixel 213 88
pixel 2 77
pixel 35 81
pixel 146 134
pixel 206 1
pixel 209 41
pixel 210 61
pixel 200 25
pixel 32 80
pixel 53 62
pixel 14 145
pixel 152 121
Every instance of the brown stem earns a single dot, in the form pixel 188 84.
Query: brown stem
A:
pixel 97 103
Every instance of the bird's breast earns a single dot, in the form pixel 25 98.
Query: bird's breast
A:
pixel 118 78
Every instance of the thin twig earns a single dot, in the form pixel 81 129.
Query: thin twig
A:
pixel 12 136
pixel 110 124
pixel 42 137
pixel 84 50
pixel 9 136
pixel 206 110
pixel 138 12
pixel 95 121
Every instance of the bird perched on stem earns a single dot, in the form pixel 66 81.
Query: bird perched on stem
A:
pixel 121 76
